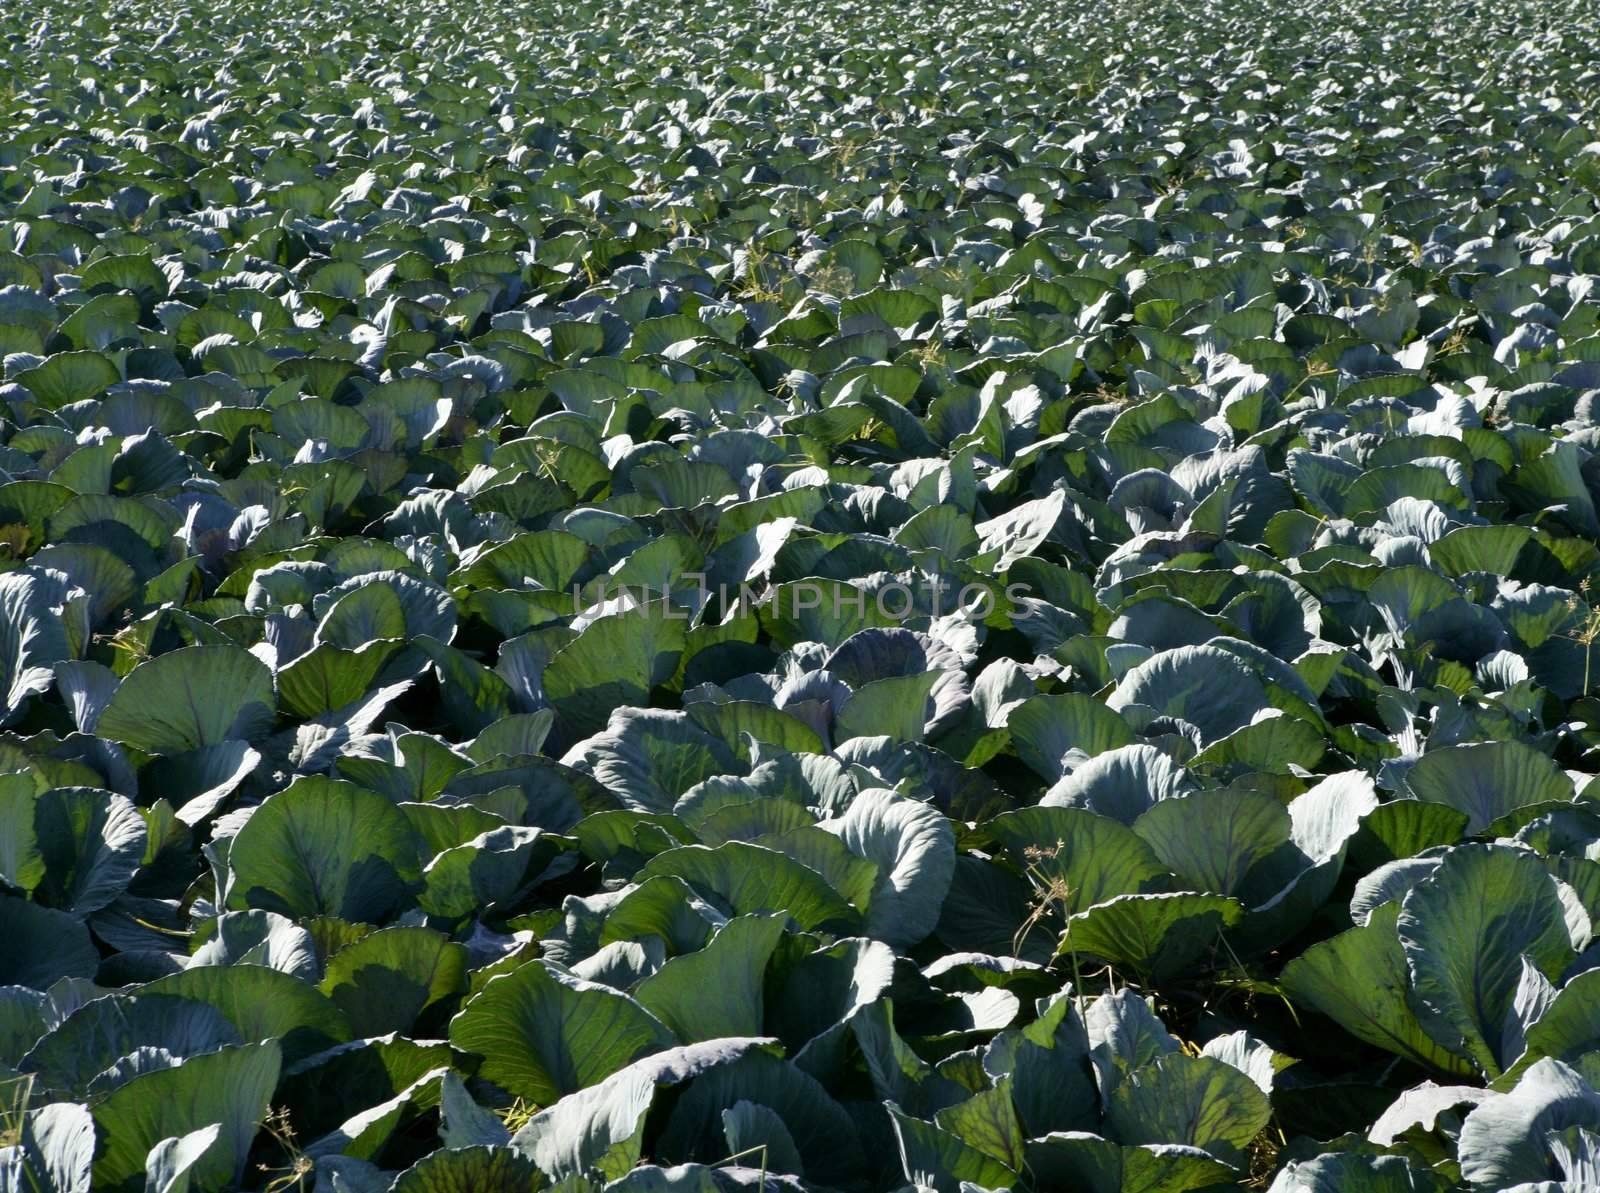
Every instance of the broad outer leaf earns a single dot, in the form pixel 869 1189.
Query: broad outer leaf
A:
pixel 260 938
pixel 543 1034
pixel 716 991
pixel 324 847
pixel 170 1166
pixel 478 1169
pixel 614 661
pixel 42 945
pixel 32 638
pixel 1157 935
pixel 262 1004
pixel 189 698
pixel 1359 979
pixel 1465 930
pixel 600 1127
pixel 822 1131
pixel 232 1087
pixel 1193 1100
pixel 1210 839
pixel 1081 1161
pixel 1337 1172
pixel 386 979
pixel 1124 1035
pixel 1095 857
pixel 58 1141
pixel 1502 1141
pixel 935 1158
pixel 1207 686
pixel 757 1132
pixel 750 878
pixel 1487 780
pixel 914 849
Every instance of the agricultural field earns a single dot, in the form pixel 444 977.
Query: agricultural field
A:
pixel 799 596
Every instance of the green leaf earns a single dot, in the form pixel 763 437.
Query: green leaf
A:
pixel 651 757
pixel 1335 1172
pixel 474 696
pixel 756 1133
pixel 363 615
pixel 32 639
pixel 483 871
pixel 935 1158
pixel 1479 549
pixel 385 980
pixel 1210 839
pixel 1092 857
pixel 69 377
pixel 1487 780
pixel 1078 1160
pixel 42 945
pixel 614 661
pixel 1192 1100
pixel 1021 530
pixel 822 1131
pixel 543 1034
pixel 105 1030
pixel 601 1127
pixel 895 707
pixel 1359 979
pixel 232 1087
pixel 91 842
pixel 821 609
pixel 1124 1035
pixel 1158 935
pixel 1504 1141
pixel 1119 783
pixel 987 1121
pixel 259 938
pixel 1045 728
pixel 478 1168
pixel 597 1129
pixel 320 1091
pixel 716 991
pixel 324 847
pixel 1207 686
pixel 366 1134
pixel 1465 931
pixel 189 698
pixel 1047 1064
pixel 262 1004
pixel 130 271
pixel 749 878
pixel 172 1164
pixel 914 849
pixel 326 678
pixel 54 1152
pixel 462 1122
pixel 21 864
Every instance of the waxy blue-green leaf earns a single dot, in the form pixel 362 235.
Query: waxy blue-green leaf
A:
pixel 190 698
pixel 232 1087
pixel 324 847
pixel 1465 930
pixel 1360 979
pixel 913 848
pixel 1191 1100
pixel 752 878
pixel 543 1034
pixel 1487 780
pixel 386 979
pixel 717 990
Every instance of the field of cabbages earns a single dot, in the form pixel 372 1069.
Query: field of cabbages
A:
pixel 799 596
